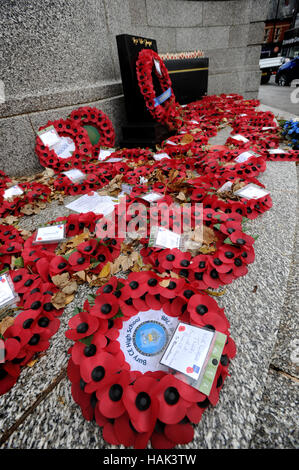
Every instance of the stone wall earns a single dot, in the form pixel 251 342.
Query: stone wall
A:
pixel 60 54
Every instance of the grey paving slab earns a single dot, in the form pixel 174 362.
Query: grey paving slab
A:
pixel 277 422
pixel 278 100
pixel 286 353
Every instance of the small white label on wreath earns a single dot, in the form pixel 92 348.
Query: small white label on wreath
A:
pixel 243 157
pixel 276 151
pixel 64 148
pixel 160 156
pixel 240 137
pixel 50 234
pixel 144 337
pixel 75 175
pixel 49 136
pixel 12 191
pixel 157 66
pixel 104 153
pixel 251 191
pixel 7 294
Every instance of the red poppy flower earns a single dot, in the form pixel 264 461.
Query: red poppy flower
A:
pixel 241 239
pixel 78 261
pixel 196 410
pixel 11 349
pixel 203 308
pixel 98 369
pixel 82 325
pixel 141 404
pixel 110 396
pixel 58 265
pixel 127 307
pixel 169 288
pixel 8 380
pixel 173 406
pixel 135 286
pixel 105 307
pixel 82 351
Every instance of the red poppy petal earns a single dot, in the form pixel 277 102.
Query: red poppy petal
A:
pixel 179 433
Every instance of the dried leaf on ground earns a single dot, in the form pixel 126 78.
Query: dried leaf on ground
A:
pixel 208 236
pixel 70 288
pixel 31 363
pixel 105 270
pixel 5 324
pixel 61 280
pixel 60 300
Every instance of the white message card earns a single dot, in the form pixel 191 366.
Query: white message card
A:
pixel 193 354
pixel 75 175
pixel 157 66
pixel 50 234
pixel 225 187
pixel 276 151
pixel 7 293
pixel 12 191
pixel 105 153
pixel 188 349
pixel 240 137
pixel 160 156
pixel 92 202
pixel 164 238
pixel 49 136
pixel 152 197
pixel 243 157
pixel 251 191
pixel 64 148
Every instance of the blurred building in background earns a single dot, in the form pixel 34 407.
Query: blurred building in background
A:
pixel 281 35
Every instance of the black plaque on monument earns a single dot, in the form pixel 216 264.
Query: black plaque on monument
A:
pixel 189 78
pixel 141 129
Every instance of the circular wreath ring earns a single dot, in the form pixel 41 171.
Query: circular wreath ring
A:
pixel 133 407
pixel 33 327
pixel 168 112
pixel 65 128
pixel 88 116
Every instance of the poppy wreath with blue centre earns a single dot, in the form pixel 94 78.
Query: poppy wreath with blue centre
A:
pixel 131 407
pixel 91 116
pixel 83 148
pixel 168 112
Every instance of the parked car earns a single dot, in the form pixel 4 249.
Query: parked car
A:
pixel 287 72
pixel 269 67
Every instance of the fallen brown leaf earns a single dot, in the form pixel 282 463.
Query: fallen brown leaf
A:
pixel 5 324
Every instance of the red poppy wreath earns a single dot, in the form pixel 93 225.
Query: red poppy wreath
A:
pixel 88 116
pixel 25 198
pixel 163 107
pixel 132 396
pixel 70 151
pixel 35 286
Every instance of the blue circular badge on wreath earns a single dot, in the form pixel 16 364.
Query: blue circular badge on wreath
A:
pixel 150 338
